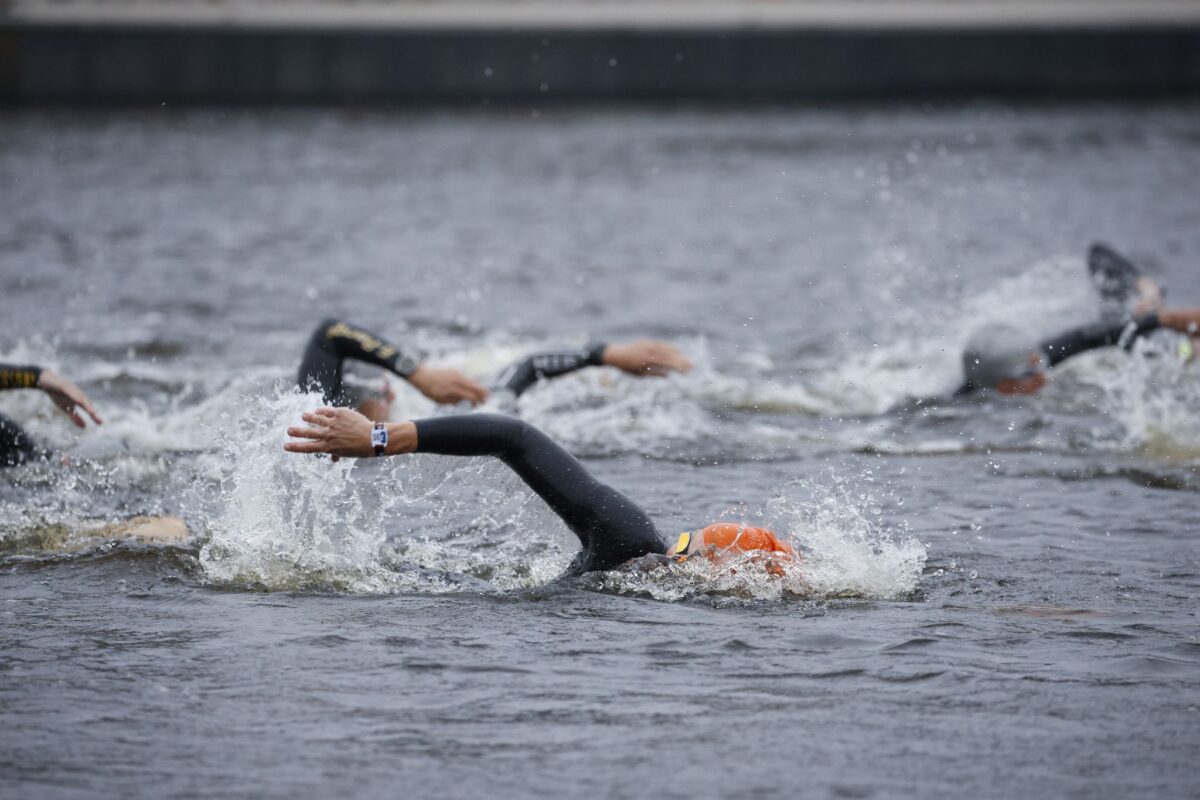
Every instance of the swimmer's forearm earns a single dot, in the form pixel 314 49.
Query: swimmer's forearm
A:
pixel 550 364
pixel 1186 320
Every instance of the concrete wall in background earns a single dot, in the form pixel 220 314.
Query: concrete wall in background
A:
pixel 64 64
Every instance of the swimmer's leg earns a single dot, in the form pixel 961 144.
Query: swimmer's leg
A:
pixel 611 528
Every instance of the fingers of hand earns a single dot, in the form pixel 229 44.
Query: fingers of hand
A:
pixel 86 405
pixel 317 418
pixel 670 357
pixel 307 433
pixel 302 447
pixel 469 390
pixel 476 393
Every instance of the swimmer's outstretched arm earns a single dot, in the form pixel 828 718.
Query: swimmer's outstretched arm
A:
pixel 1090 337
pixel 64 394
pixel 640 358
pixel 334 341
pixel 611 528
pixel 1101 334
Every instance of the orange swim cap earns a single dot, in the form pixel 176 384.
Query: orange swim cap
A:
pixel 730 536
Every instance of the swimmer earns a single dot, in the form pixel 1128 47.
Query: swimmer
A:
pixel 335 341
pixel 16 446
pixel 159 531
pixel 611 528
pixel 1007 359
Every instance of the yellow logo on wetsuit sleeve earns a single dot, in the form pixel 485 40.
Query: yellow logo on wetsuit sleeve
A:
pixel 368 342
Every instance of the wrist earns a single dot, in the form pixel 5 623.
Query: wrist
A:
pixel 402 438
pixel 596 353
pixel 1151 321
pixel 418 376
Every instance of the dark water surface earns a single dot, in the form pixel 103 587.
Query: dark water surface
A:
pixel 998 596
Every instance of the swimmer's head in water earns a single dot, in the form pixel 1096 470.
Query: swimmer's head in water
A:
pixel 729 537
pixel 1004 358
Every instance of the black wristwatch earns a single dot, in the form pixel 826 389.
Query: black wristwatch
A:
pixel 379 438
pixel 405 366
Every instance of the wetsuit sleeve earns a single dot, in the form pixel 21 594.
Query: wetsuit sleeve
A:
pixel 333 342
pixel 611 528
pixel 549 364
pixel 1090 337
pixel 13 376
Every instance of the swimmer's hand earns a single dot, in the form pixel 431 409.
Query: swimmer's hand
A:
pixel 343 432
pixel 67 396
pixel 646 357
pixel 447 386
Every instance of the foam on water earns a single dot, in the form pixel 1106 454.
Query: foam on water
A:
pixel 1153 394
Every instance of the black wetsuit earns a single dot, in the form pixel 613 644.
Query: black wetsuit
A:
pixel 1091 337
pixel 334 341
pixel 331 344
pixel 549 364
pixel 16 446
pixel 611 528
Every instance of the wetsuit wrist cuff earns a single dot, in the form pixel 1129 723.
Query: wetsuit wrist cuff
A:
pixel 1148 322
pixel 595 353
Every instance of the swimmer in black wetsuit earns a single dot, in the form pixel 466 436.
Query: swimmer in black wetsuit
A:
pixel 16 446
pixel 335 341
pixel 611 528
pixel 1006 359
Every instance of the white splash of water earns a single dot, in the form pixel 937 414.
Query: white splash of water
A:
pixel 283 520
pixel 1153 393
pixel 844 553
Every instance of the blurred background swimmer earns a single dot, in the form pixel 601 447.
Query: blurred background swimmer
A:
pixel 1010 360
pixel 334 341
pixel 16 446
pixel 612 529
